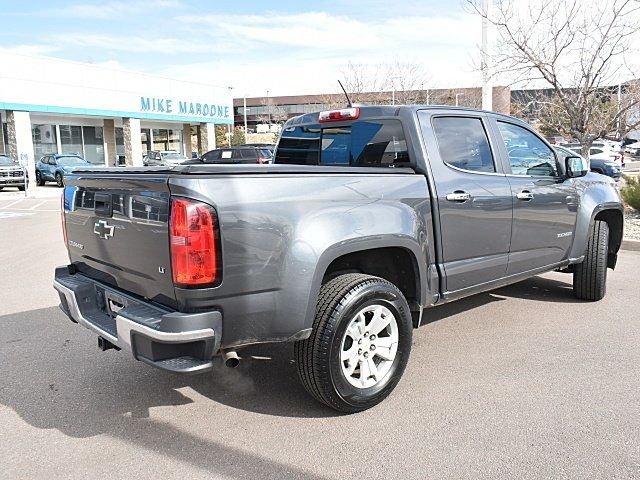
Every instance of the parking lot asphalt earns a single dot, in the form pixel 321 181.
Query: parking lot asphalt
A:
pixel 522 382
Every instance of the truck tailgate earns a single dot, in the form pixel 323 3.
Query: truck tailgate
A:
pixel 117 232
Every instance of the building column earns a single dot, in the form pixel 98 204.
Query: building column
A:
pixel 1 136
pixel 20 142
pixel 186 139
pixel 132 142
pixel 110 155
pixel 206 137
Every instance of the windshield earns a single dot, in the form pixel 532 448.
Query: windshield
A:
pixel 6 161
pixel 71 160
pixel 172 156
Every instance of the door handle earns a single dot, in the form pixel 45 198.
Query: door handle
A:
pixel 458 196
pixel 524 195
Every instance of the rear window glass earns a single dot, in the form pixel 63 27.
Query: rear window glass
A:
pixel 368 143
pixel 299 146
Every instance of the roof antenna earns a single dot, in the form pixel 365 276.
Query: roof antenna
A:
pixel 345 94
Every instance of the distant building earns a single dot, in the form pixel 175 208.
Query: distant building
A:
pixel 267 110
pixel 50 105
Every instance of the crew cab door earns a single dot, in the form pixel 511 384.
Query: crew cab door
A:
pixel 544 202
pixel 473 197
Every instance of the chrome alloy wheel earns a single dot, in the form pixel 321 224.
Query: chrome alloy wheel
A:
pixel 369 346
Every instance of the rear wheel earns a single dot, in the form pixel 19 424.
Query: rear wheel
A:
pixel 39 179
pixel 359 345
pixel 59 180
pixel 21 189
pixel 590 276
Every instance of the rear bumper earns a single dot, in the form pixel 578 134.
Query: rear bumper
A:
pixel 172 341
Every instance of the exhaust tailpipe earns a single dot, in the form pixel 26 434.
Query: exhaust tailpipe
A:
pixel 230 358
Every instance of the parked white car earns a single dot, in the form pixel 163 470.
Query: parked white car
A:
pixel 602 150
pixel 633 149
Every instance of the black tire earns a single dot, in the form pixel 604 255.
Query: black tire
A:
pixel 39 179
pixel 21 189
pixel 318 357
pixel 59 180
pixel 590 276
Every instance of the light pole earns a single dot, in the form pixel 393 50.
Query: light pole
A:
pixel 393 92
pixel 487 100
pixel 268 109
pixel 229 126
pixel 458 95
pixel 244 104
pixel 427 90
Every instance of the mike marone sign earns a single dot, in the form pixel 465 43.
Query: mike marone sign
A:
pixel 183 107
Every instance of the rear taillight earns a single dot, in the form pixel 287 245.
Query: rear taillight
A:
pixel 63 220
pixel 194 243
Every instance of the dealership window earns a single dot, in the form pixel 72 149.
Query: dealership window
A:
pixel 93 144
pixel 44 140
pixel 145 136
pixel 71 139
pixel 167 139
pixel 175 141
pixel 120 142
pixel 5 135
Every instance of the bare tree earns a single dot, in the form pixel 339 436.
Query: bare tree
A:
pixel 273 113
pixel 578 53
pixel 381 84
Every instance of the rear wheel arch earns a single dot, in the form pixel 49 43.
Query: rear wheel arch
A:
pixel 397 264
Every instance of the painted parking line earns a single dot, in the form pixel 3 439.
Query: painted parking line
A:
pixel 15 214
pixel 37 205
pixel 12 203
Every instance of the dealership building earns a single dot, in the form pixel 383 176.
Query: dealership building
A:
pixel 49 105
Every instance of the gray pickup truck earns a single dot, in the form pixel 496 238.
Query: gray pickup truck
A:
pixel 369 217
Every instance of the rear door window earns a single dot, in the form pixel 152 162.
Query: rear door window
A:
pixel 211 156
pixel 249 153
pixel 370 143
pixel 463 143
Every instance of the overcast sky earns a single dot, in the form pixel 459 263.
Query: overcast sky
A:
pixel 286 47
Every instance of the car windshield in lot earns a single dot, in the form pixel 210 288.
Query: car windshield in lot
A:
pixel 71 160
pixel 6 161
pixel 266 153
pixel 172 156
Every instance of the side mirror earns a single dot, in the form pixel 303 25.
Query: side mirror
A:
pixel 575 167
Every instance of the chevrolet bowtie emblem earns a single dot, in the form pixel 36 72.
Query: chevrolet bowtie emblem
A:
pixel 103 229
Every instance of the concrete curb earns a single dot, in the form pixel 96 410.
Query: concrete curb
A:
pixel 632 245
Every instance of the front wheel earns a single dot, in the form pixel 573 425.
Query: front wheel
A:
pixel 59 181
pixel 39 179
pixel 359 345
pixel 590 276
